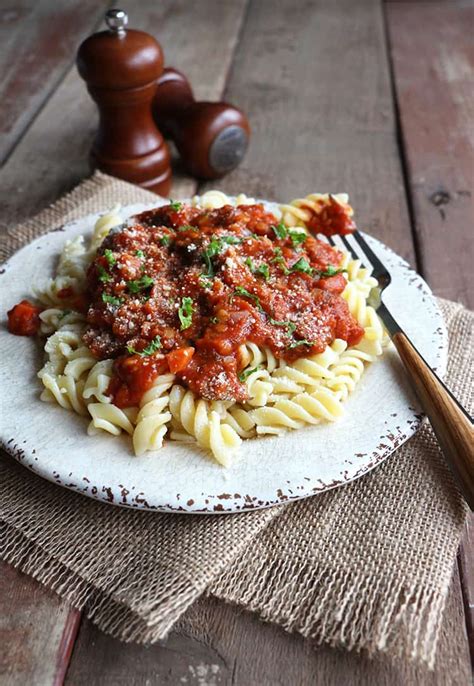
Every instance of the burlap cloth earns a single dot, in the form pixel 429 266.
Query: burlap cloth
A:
pixel 367 566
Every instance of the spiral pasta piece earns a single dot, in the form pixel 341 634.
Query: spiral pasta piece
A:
pixel 153 416
pixel 347 371
pixel 103 225
pixel 65 391
pixel 301 409
pixel 111 419
pixel 98 381
pixel 203 420
pixel 54 318
pixel 212 200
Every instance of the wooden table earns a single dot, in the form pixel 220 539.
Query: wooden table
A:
pixel 352 95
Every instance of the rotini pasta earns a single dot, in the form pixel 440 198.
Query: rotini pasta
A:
pixel 280 395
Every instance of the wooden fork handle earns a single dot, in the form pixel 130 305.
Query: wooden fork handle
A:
pixel 451 424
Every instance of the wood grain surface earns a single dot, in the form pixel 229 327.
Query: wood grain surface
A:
pixel 37 46
pixel 316 85
pixel 433 64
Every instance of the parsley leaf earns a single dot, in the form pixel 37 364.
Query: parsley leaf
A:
pixel 302 266
pixel 175 205
pixel 262 269
pixel 280 230
pixel 330 271
pixel 303 341
pixel 246 373
pixel 103 276
pixel 243 292
pixel 290 325
pixel 109 257
pixel 140 253
pixel 279 259
pixel 111 299
pixel 186 227
pixel 205 281
pixel 297 237
pixel 140 285
pixel 154 345
pixel 185 312
pixel 165 240
pixel 231 240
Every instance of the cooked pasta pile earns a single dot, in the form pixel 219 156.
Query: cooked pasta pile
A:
pixel 281 395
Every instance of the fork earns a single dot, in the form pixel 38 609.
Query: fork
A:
pixel 451 423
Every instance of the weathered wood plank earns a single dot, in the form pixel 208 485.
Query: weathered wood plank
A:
pixel 220 644
pixel 315 85
pixel 433 63
pixel 37 631
pixel 52 157
pixel 37 46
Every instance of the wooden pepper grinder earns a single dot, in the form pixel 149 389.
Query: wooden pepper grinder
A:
pixel 121 68
pixel 211 137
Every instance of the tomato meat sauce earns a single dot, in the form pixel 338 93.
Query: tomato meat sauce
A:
pixel 181 289
pixel 23 319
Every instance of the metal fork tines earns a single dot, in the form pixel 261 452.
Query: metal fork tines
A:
pixel 359 249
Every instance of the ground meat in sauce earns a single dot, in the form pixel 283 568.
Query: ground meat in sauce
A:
pixel 233 274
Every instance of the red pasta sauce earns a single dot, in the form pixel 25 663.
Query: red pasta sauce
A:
pixel 181 289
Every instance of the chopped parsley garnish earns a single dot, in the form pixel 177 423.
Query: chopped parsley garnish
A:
pixel 262 269
pixel 302 266
pixel 175 205
pixel 246 373
pixel 279 259
pixel 185 312
pixel 111 299
pixel 280 230
pixel 186 227
pixel 297 237
pixel 149 350
pixel 140 253
pixel 140 285
pixel 165 240
pixel 103 276
pixel 303 341
pixel 205 281
pixel 243 292
pixel 231 240
pixel 215 247
pixel 331 271
pixel 109 257
pixel 289 325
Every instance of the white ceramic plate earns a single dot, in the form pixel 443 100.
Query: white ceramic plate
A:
pixel 380 415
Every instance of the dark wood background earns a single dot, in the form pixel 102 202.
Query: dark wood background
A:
pixel 358 95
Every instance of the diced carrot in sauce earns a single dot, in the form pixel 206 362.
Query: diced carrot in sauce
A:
pixel 179 359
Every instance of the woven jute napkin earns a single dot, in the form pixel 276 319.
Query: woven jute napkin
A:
pixel 366 566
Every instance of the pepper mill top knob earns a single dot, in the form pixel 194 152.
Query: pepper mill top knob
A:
pixel 116 20
pixel 119 58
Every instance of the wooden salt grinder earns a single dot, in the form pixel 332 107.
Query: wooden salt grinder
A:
pixel 121 68
pixel 211 137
